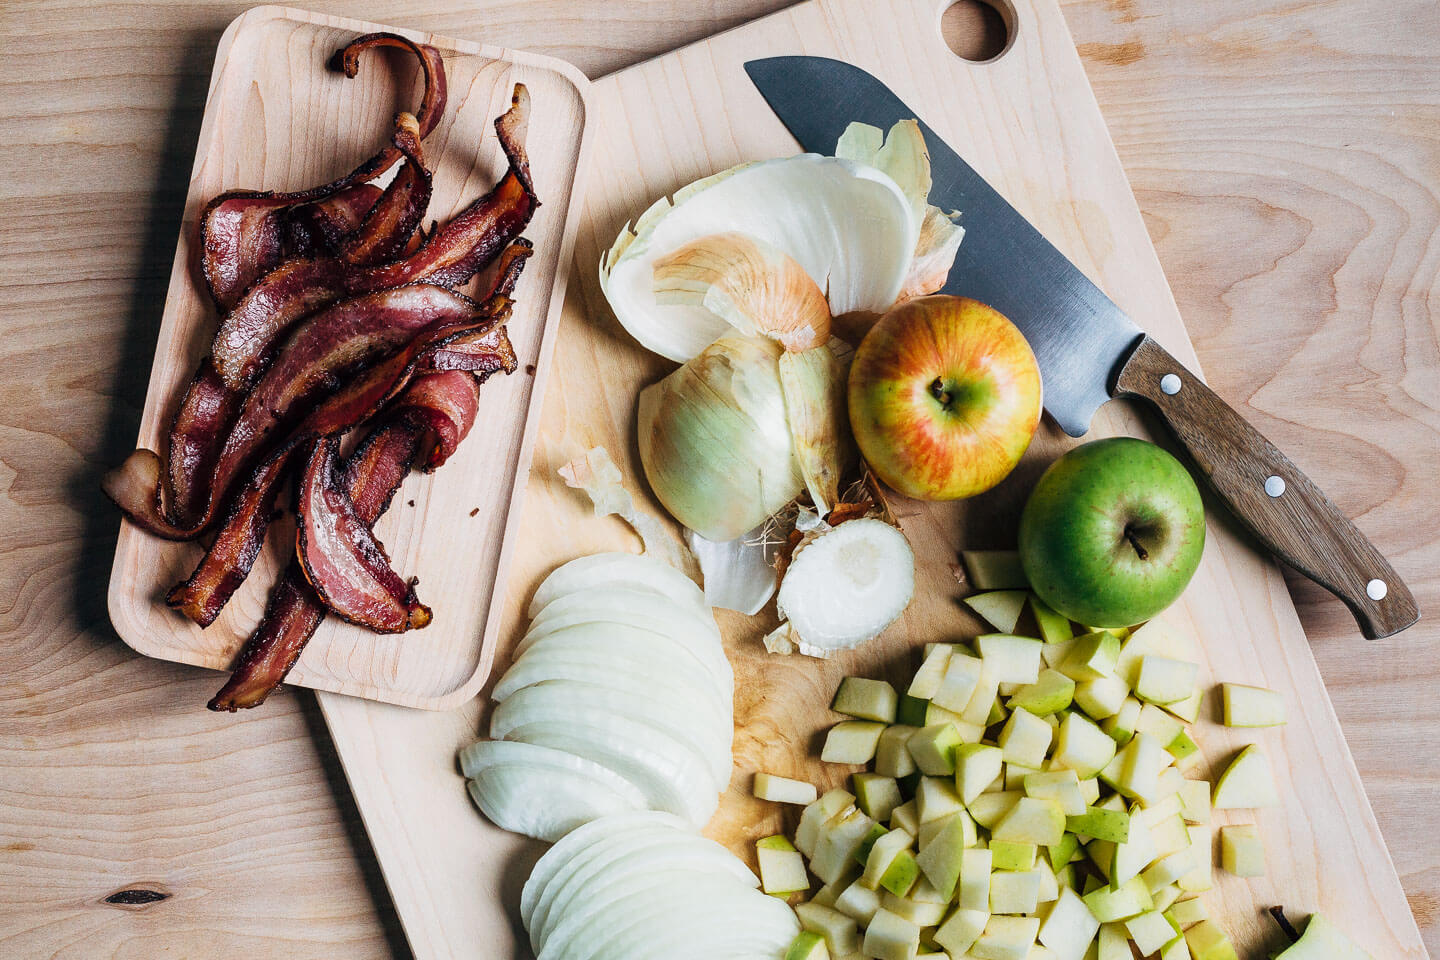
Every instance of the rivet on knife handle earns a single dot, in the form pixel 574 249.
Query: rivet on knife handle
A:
pixel 1279 504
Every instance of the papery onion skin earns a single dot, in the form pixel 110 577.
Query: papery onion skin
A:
pixel 715 442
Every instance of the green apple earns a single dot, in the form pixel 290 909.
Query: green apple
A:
pixel 1112 532
pixel 865 699
pixel 944 396
pixel 1241 850
pixel 807 946
pixel 782 869
pixel 1323 941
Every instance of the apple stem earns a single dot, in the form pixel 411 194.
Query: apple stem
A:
pixel 938 391
pixel 1279 914
pixel 1135 543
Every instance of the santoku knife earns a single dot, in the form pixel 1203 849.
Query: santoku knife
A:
pixel 1090 351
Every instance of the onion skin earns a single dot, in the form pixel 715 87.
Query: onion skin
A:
pixel 715 442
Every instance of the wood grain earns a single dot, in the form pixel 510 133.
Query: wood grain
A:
pixel 1285 160
pixel 277 120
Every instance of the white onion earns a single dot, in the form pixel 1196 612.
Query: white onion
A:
pixel 631 570
pixel 542 798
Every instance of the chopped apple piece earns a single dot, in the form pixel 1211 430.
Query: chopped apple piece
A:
pixel 1208 942
pixel 957 685
pixel 807 946
pixel 858 901
pixel 1006 938
pixel 1182 748
pixel 1141 763
pixel 1121 726
pixel 1015 774
pixel 1000 608
pixel 866 699
pixel 1198 880
pixel 1113 942
pixel 936 797
pixel 839 838
pixel 852 741
pixel 882 855
pixel 1049 694
pixel 1323 940
pixel 839 931
pixel 815 815
pixel 1169 834
pixel 892 752
pixel 906 817
pixel 1054 627
pixel 1241 851
pixel 1156 636
pixel 1169 868
pixel 921 911
pixel 902 874
pixel 1251 706
pixel 973 889
pixel 1015 893
pixel 1069 929
pixel 988 809
pixel 783 790
pixel 1246 783
pixel 1010 659
pixel 933 749
pixel 927 679
pixel 1034 820
pixel 1130 899
pixel 976 766
pixel 1025 739
pixel 1165 680
pixel 1188 912
pixel 1092 657
pixel 1176 949
pixel 1061 786
pixel 961 929
pixel 1014 855
pixel 1189 708
pixel 994 569
pixel 982 703
pixel 876 795
pixel 942 859
pixel 1101 698
pixel 1082 746
pixel 782 869
pixel 911 711
pixel 1102 824
pixel 1150 931
pixel 1158 724
pixel 968 732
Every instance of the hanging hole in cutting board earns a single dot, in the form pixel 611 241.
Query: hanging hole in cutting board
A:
pixel 978 30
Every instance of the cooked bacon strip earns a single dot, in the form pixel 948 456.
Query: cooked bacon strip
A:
pixel 446 403
pixel 373 474
pixel 320 226
pixel 228 561
pixel 248 335
pixel 492 353
pixel 343 562
pixel 392 221
pixel 243 234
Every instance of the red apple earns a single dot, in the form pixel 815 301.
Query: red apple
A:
pixel 944 397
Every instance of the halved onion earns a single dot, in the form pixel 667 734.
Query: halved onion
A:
pixel 847 224
pixel 617 569
pixel 608 647
pixel 672 777
pixel 678 919
pixel 540 792
pixel 668 717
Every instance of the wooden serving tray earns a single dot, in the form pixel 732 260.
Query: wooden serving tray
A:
pixel 277 119
pixel 1030 124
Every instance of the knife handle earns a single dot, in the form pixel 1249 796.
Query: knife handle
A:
pixel 1280 505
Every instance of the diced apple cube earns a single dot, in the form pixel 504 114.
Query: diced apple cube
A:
pixel 1246 783
pixel 1142 762
pixel 1010 659
pixel 1241 851
pixel 852 741
pixel 1157 637
pixel 1113 942
pixel 1062 786
pixel 839 838
pixel 976 766
pixel 1169 868
pixel 866 699
pixel 969 732
pixel 906 818
pixel 1013 855
pixel 973 889
pixel 989 808
pixel 1092 657
pixel 1176 949
pixel 1081 746
pixel 782 869
pixel 1121 726
pixel 933 749
pixel 1189 708
pixel 1049 886
pixel 1158 724
pixel 1054 627
pixel 1187 913
pixel 891 937
pixel 1015 774
pixel 958 683
pixel 858 901
pixel 994 569
pixel 1069 928
pixel 1130 899
pixel 892 752
pixel 1049 694
pixel 1000 608
pixel 942 858
pixel 1163 680
pixel 910 711
pixel 878 796
pixel 1006 938
pixel 1150 931
pixel 1251 706
pixel 1208 942
pixel 902 874
pixel 839 931
pixel 1182 748
pixel 783 789
pixel 927 679
pixel 807 946
pixel 982 702
pixel 922 913
pixel 1090 790
pixel 1015 893
pixel 1025 739
pixel 815 815
pixel 1034 820
pixel 1169 834
pixel 1198 880
pixel 936 797
pixel 1101 698
pixel 1163 897
pixel 882 855
pixel 961 929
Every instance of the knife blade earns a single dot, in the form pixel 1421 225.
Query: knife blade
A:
pixel 1090 351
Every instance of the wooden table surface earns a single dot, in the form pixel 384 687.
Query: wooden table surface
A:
pixel 1287 159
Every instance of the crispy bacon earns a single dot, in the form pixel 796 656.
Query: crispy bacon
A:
pixel 390 224
pixel 244 234
pixel 446 403
pixel 248 335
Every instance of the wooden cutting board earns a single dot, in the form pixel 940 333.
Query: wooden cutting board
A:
pixel 277 119
pixel 1029 123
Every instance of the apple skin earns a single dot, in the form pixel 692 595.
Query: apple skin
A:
pixel 944 397
pixel 1090 517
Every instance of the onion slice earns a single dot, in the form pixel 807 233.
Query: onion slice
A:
pixel 641 572
pixel 507 778
pixel 847 583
